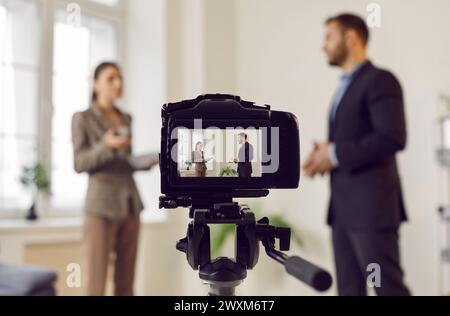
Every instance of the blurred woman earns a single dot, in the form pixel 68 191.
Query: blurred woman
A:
pixel 101 138
pixel 199 160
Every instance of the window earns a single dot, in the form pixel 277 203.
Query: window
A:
pixel 77 51
pixel 19 93
pixel 34 33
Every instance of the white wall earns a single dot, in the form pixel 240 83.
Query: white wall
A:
pixel 145 84
pixel 146 92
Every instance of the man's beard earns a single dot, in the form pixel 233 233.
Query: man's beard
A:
pixel 339 57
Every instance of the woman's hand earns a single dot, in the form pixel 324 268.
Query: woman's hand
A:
pixel 116 142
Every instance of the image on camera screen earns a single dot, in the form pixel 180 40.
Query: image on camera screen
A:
pixel 219 153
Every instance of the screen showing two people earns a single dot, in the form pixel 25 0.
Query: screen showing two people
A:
pixel 219 153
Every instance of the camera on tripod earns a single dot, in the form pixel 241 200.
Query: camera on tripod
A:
pixel 218 147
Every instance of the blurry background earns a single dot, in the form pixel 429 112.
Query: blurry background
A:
pixel 265 51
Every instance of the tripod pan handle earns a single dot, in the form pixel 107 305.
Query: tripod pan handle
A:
pixel 307 272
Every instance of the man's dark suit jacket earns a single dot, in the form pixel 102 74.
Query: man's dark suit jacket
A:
pixel 245 156
pixel 368 130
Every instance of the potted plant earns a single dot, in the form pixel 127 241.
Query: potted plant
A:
pixel 227 172
pixel 188 164
pixel 35 179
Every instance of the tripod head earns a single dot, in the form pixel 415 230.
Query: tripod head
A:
pixel 224 274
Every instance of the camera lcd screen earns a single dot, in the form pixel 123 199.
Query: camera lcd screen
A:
pixel 219 153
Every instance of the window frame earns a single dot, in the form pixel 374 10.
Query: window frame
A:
pixel 48 9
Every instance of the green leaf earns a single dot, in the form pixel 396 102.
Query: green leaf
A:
pixel 227 171
pixel 221 233
pixel 36 176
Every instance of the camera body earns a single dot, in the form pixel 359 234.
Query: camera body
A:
pixel 249 147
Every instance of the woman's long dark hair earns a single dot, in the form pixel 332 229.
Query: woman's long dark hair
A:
pixel 99 70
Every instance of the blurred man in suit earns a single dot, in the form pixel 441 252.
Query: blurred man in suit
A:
pixel 245 157
pixel 366 130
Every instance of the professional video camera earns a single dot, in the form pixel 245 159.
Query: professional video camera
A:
pixel 218 147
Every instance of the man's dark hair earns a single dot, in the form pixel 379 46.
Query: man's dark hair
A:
pixel 243 134
pixel 352 22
